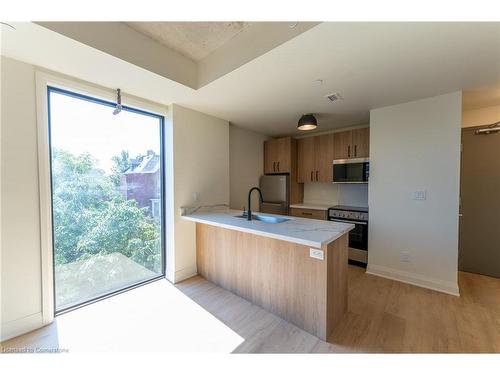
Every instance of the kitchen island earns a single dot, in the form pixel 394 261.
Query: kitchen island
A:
pixel 296 269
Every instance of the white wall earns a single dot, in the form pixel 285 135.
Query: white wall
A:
pixel 415 146
pixel 20 225
pixel 201 165
pixel 246 164
pixel 481 116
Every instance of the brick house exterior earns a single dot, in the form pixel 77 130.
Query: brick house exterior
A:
pixel 142 183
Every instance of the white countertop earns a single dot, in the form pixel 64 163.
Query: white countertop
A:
pixel 312 206
pixel 308 232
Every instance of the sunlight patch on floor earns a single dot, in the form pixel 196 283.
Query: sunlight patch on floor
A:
pixel 154 317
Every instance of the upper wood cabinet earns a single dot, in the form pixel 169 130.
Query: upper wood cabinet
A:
pixel 306 159
pixel 352 144
pixel 324 152
pixel 342 145
pixel 361 142
pixel 278 155
pixel 315 158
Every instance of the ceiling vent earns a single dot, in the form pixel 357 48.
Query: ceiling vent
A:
pixel 334 97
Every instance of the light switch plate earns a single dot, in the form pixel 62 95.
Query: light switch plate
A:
pixel 405 256
pixel 419 195
pixel 316 253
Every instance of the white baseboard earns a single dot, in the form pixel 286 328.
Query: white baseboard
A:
pixel 20 326
pixel 185 273
pixel 414 279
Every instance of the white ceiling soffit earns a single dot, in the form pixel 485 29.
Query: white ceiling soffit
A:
pixel 191 53
pixel 119 40
pixel 42 47
pixel 370 64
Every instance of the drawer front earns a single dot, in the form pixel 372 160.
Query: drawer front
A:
pixel 308 213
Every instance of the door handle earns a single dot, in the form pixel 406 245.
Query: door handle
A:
pixel 355 150
pixel 349 151
pixel 311 175
pixel 316 175
pixel 348 221
pixel 278 166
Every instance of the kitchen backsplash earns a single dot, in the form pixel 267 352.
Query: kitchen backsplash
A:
pixel 353 194
pixel 346 194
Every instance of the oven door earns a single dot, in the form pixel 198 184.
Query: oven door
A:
pixel 358 237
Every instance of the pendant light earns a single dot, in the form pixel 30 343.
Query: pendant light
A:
pixel 307 122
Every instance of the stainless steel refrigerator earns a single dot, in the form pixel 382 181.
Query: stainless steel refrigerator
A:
pixel 275 190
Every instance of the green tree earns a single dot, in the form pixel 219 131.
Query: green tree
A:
pixel 121 162
pixel 92 218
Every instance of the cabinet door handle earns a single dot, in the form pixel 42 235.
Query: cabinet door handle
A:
pixel 349 151
pixel 311 175
pixel 307 213
pixel 355 150
pixel 278 166
pixel 316 175
pixel 274 166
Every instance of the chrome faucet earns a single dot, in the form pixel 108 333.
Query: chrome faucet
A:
pixel 249 212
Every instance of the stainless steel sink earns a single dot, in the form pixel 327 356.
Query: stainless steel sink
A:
pixel 265 219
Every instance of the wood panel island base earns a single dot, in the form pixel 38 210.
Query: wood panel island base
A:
pixel 278 275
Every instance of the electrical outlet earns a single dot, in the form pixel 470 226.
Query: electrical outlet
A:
pixel 419 195
pixel 316 253
pixel 405 257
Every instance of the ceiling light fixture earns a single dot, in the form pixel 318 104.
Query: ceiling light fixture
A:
pixel 307 122
pixel 118 107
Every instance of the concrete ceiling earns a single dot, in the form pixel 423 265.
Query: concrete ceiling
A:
pixel 370 64
pixel 194 40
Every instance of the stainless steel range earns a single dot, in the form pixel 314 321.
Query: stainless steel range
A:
pixel 358 237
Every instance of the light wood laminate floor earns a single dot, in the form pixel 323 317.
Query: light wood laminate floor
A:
pixel 384 316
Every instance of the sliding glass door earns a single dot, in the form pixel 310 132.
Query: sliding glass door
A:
pixel 107 197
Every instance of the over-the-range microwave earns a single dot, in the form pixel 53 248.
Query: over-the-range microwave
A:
pixel 351 171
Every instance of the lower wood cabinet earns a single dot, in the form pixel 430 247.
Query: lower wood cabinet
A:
pixel 308 213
